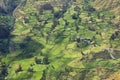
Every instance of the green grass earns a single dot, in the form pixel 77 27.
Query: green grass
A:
pixel 61 49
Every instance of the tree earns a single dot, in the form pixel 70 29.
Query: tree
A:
pixel 75 16
pixel 77 8
pixel 38 61
pixel 28 46
pixel 30 69
pixel 77 29
pixel 45 60
pixel 19 69
pixel 4 32
pixel 58 14
pixel 43 75
pixel 47 6
pixel 4 38
pixel 91 9
pixel 114 35
pixel 3 70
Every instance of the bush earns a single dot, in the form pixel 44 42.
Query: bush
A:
pixel 47 7
pixel 38 61
pixel 4 32
pixel 75 16
pixel 45 60
pixel 19 69
pixel 77 8
pixel 30 69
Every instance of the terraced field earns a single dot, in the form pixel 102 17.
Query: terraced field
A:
pixel 77 40
pixel 112 5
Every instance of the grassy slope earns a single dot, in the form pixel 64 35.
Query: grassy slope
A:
pixel 110 5
pixel 63 53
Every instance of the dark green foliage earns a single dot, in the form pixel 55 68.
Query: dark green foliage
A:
pixel 4 46
pixel 59 39
pixel 46 6
pixel 38 61
pixel 2 11
pixel 4 38
pixel 6 26
pixel 46 60
pixel 74 0
pixel 68 69
pixel 8 6
pixel 77 29
pixel 30 69
pixel 43 75
pixel 26 20
pixel 50 34
pixel 92 28
pixel 82 44
pixel 77 8
pixel 91 9
pixel 75 16
pixel 3 70
pixel 58 14
pixel 83 75
pixel 4 32
pixel 19 69
pixel 115 35
pixel 30 45
pixel 11 5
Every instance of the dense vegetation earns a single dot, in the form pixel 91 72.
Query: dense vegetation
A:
pixel 59 40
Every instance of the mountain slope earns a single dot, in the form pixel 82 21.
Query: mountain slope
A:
pixel 110 5
pixel 77 40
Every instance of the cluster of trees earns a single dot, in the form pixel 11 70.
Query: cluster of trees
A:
pixel 45 60
pixel 29 46
pixel 4 32
pixel 8 6
pixel 6 23
pixel 19 69
pixel 37 60
pixel 4 38
pixel 83 42
pixel 3 70
pixel 115 35
pixel 45 7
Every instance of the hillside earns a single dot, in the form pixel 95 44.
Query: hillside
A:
pixel 59 39
pixel 110 5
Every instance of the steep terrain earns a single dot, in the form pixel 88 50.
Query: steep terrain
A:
pixel 110 5
pixel 59 40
